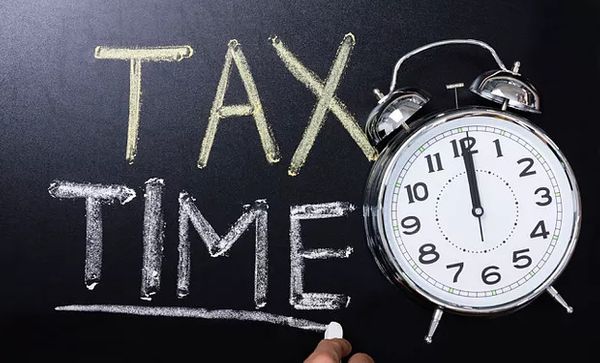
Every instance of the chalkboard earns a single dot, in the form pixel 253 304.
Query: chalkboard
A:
pixel 65 109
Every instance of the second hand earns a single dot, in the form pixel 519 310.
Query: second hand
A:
pixel 480 228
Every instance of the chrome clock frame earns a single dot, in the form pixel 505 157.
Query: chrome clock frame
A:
pixel 379 244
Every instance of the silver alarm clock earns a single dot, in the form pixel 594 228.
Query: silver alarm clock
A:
pixel 474 209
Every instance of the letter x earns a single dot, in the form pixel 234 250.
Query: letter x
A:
pixel 327 101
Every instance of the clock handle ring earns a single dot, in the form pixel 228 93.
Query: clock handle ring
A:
pixel 441 43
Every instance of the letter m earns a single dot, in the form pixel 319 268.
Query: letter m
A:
pixel 218 246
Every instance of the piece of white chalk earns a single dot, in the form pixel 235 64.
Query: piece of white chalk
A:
pixel 334 330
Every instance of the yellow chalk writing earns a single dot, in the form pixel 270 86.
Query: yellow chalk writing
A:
pixel 253 108
pixel 136 56
pixel 327 100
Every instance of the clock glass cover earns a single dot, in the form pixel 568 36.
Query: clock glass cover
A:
pixel 477 211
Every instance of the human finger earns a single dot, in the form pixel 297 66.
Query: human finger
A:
pixel 330 351
pixel 361 358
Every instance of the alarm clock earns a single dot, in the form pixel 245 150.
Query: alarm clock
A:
pixel 473 209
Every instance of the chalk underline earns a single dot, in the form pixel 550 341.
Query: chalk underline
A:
pixel 198 313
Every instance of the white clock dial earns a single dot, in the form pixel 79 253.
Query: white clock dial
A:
pixel 478 212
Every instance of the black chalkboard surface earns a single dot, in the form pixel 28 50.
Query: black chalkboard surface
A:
pixel 64 114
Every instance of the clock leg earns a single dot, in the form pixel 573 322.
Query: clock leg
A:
pixel 435 321
pixel 552 291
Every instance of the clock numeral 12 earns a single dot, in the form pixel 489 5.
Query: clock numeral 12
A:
pixel 466 144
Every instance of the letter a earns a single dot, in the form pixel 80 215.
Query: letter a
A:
pixel 252 108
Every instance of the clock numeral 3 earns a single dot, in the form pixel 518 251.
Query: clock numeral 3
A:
pixel 519 256
pixel 411 224
pixel 539 230
pixel 490 276
pixel 418 191
pixel 545 194
pixel 438 162
pixel 527 171
pixel 458 266
pixel 428 254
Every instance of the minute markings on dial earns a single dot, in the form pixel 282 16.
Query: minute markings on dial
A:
pixel 427 252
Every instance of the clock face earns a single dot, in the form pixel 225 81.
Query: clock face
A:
pixel 478 211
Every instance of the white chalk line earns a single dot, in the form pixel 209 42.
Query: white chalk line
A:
pixel 199 313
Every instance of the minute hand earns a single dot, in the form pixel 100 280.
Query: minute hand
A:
pixel 473 187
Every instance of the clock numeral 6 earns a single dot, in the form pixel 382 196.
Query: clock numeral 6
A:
pixel 490 276
pixel 418 191
pixel 521 256
pixel 539 230
pixel 545 194
pixel 411 224
pixel 527 171
pixel 459 266
pixel 426 250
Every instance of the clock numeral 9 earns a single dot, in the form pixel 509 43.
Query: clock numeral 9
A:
pixel 545 194
pixel 428 254
pixel 411 224
pixel 527 171
pixel 418 191
pixel 539 230
pixel 490 276
pixel 459 266
pixel 520 256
